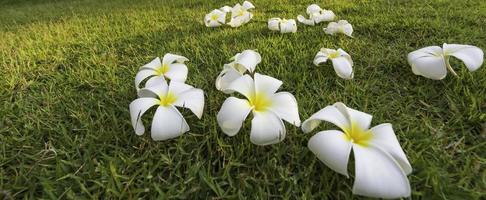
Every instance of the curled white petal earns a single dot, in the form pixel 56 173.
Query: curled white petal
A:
pixel 284 105
pixel 226 77
pixel 232 115
pixel 472 56
pixel 305 21
pixel 330 114
pixel 193 99
pixel 313 8
pixel 324 16
pixel 428 62
pixel 343 67
pixel 274 24
pixel 137 108
pixel 266 128
pixel 248 59
pixel 332 149
pixel 243 85
pixel 142 75
pixel 177 72
pixel 266 84
pixel 225 9
pixel 342 26
pixel 168 123
pixel 288 26
pixel 342 62
pixel 248 5
pixel 171 58
pixel 153 65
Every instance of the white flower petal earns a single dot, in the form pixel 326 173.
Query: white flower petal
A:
pixel 243 85
pixel 332 28
pixel 378 174
pixel 142 75
pixel 284 105
pixel 325 16
pixel 305 21
pixel 168 123
pixel 320 58
pixel 177 72
pixel 249 59
pixel 347 29
pixel 226 9
pixel 137 108
pixel 332 148
pixel 330 114
pixel 343 67
pixel 266 128
pixel 212 23
pixel 288 26
pixel 313 8
pixel 472 56
pixel 346 55
pixel 154 87
pixel 226 77
pixel 274 24
pixel 266 84
pixel 248 5
pixel 153 65
pixel 178 88
pixel 385 138
pixel 192 99
pixel 171 58
pixel 363 120
pixel 232 115
pixel 430 66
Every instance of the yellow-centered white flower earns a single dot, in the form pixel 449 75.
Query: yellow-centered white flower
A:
pixel 240 14
pixel 342 26
pixel 432 62
pixel 215 18
pixel 316 15
pixel 282 25
pixel 172 67
pixel 243 62
pixel 268 108
pixel 341 61
pixel 168 122
pixel 381 166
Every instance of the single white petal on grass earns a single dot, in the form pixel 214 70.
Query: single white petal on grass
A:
pixel 378 175
pixel 274 24
pixel 248 5
pixel 342 26
pixel 433 62
pixel 232 115
pixel 341 61
pixel 284 105
pixel 305 21
pixel 266 128
pixel 168 123
pixel 288 26
pixel 472 56
pixel 137 109
pixel 381 166
pixel 332 148
pixel 215 18
pixel 249 59
pixel 384 137
pixel 269 108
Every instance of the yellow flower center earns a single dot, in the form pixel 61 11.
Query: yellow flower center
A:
pixel 357 135
pixel 162 70
pixel 241 12
pixel 167 99
pixel 334 54
pixel 214 17
pixel 260 102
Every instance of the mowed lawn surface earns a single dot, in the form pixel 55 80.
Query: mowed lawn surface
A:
pixel 67 72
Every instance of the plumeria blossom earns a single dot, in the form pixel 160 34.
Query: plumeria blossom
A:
pixel 240 14
pixel 243 62
pixel 432 62
pixel 168 122
pixel 268 108
pixel 316 15
pixel 341 61
pixel 172 67
pixel 342 26
pixel 282 25
pixel 215 18
pixel 381 166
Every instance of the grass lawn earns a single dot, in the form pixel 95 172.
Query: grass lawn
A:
pixel 67 70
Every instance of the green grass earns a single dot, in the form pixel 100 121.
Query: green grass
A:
pixel 67 71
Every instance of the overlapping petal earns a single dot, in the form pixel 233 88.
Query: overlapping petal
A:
pixel 266 128
pixel 232 115
pixel 332 149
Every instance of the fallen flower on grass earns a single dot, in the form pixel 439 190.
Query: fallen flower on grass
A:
pixel 240 14
pixel 168 122
pixel 341 61
pixel 381 166
pixel 316 15
pixel 282 25
pixel 242 62
pixel 342 26
pixel 432 62
pixel 215 18
pixel 267 106
pixel 172 67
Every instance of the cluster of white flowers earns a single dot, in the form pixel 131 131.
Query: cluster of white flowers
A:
pixel 240 15
pixel 381 166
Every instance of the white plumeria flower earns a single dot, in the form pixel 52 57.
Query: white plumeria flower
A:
pixel 432 62
pixel 342 26
pixel 240 14
pixel 243 62
pixel 172 67
pixel 268 107
pixel 316 15
pixel 381 166
pixel 282 25
pixel 168 122
pixel 341 61
pixel 215 18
